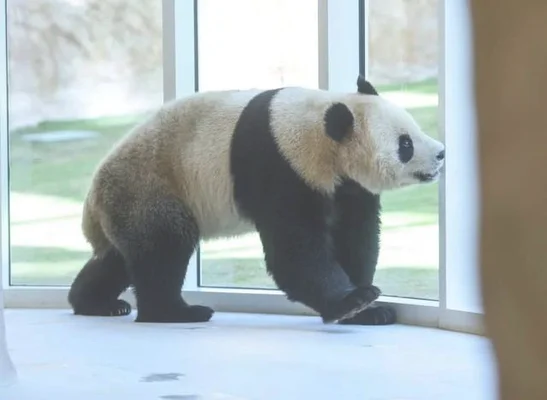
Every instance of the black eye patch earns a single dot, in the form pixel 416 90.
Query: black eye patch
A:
pixel 406 148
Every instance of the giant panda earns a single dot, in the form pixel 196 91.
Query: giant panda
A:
pixel 303 167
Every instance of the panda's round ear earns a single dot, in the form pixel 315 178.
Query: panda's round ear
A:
pixel 365 87
pixel 338 121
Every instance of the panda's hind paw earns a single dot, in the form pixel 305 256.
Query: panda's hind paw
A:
pixel 117 308
pixel 184 314
pixel 373 315
pixel 352 304
pixel 120 308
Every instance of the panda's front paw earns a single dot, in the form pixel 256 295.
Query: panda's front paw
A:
pixel 352 304
pixel 373 315
pixel 199 313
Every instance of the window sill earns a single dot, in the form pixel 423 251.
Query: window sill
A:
pixel 410 311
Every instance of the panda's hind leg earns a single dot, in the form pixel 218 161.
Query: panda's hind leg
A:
pixel 98 285
pixel 157 243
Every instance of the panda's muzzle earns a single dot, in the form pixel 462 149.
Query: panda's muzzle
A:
pixel 429 177
pixel 424 177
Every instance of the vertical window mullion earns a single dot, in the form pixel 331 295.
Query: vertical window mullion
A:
pixel 459 200
pixel 339 44
pixel 180 74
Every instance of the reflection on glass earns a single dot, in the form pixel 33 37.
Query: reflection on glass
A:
pixel 402 62
pixel 245 44
pixel 81 73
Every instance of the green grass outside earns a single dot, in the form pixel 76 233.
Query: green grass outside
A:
pixel 426 86
pixel 64 169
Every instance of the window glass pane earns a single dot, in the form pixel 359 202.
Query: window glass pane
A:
pixel 81 72
pixel 403 64
pixel 245 44
pixel 248 43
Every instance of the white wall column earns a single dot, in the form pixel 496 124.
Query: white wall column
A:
pixel 459 280
pixel 7 370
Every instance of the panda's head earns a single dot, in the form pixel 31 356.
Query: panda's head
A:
pixel 385 148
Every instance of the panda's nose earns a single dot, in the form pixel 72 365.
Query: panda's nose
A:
pixel 440 156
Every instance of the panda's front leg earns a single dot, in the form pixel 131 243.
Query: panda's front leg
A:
pixel 356 235
pixel 300 258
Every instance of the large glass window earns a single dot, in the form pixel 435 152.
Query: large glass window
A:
pixel 403 53
pixel 81 72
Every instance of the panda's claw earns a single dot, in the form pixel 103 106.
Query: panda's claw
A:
pixel 118 308
pixel 121 308
pixel 352 304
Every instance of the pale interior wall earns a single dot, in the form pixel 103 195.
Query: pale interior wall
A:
pixel 7 370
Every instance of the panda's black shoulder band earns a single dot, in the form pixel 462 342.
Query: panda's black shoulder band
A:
pixel 338 121
pixel 365 87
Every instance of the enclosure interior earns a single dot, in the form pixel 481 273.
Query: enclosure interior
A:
pixel 78 74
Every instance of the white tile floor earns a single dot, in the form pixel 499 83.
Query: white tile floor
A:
pixel 240 356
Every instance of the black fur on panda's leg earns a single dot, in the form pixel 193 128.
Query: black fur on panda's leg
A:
pixel 159 277
pixel 157 249
pixel 356 235
pixel 303 266
pixel 96 288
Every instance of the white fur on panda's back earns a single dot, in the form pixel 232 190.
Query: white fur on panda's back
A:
pixel 183 148
pixel 187 143
pixel 205 159
pixel 205 162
